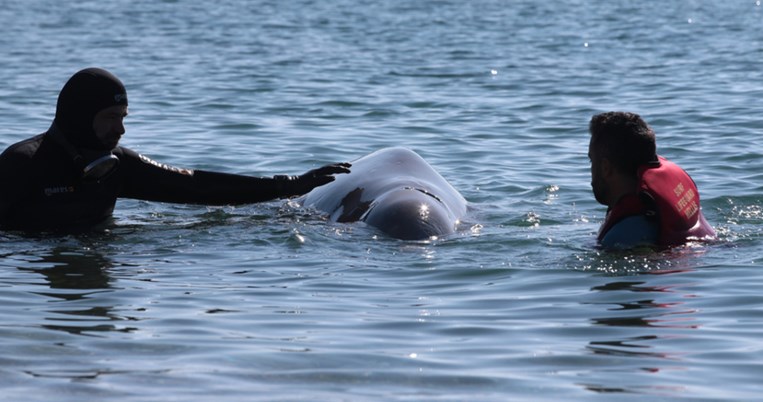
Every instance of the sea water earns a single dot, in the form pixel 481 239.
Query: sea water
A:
pixel 272 302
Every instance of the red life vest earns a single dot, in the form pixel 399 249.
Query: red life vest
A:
pixel 667 192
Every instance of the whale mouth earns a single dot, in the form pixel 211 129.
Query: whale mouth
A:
pixel 421 190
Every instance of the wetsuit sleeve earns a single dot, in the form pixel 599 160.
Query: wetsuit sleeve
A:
pixel 630 232
pixel 146 179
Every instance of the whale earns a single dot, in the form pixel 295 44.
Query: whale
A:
pixel 394 190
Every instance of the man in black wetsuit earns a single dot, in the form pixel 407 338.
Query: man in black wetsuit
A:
pixel 69 177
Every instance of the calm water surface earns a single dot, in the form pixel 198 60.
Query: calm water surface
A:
pixel 271 302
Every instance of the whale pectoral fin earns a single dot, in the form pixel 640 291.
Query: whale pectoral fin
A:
pixel 355 214
pixel 352 207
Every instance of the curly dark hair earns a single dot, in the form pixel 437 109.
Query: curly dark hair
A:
pixel 624 138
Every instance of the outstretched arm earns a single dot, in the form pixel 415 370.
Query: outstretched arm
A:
pixel 149 180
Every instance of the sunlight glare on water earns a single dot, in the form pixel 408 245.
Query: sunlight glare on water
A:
pixel 275 302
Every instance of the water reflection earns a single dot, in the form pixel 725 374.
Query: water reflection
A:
pixel 626 347
pixel 653 313
pixel 67 269
pixel 75 279
pixel 640 323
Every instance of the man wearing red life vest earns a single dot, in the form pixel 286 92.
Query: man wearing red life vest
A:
pixel 651 201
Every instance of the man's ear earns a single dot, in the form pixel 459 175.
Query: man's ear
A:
pixel 606 168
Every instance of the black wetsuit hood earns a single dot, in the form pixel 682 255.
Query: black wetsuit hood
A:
pixel 85 94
